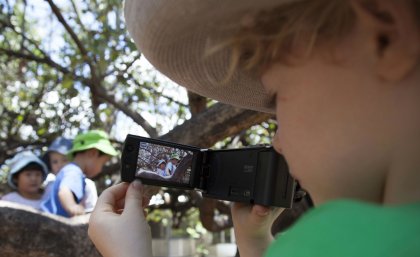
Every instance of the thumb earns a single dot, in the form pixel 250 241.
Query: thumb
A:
pixel 134 199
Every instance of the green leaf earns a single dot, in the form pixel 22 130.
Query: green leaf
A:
pixel 41 131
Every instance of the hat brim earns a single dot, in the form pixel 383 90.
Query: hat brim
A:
pixel 103 147
pixel 175 35
pixel 21 164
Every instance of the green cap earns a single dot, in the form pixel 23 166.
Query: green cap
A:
pixel 97 139
pixel 174 156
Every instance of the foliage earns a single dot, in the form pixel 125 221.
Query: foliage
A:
pixel 71 67
pixel 255 135
pixel 68 66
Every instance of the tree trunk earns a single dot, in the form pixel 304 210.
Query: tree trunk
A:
pixel 214 124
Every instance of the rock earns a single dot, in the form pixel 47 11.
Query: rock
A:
pixel 25 231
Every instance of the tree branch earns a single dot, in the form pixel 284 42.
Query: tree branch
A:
pixel 94 77
pixel 156 92
pixel 120 72
pixel 217 122
pixel 31 57
pixel 197 103
pixel 76 10
pixel 25 5
pixel 73 35
pixel 127 111
pixel 10 25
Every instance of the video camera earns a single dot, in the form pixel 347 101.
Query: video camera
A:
pixel 256 175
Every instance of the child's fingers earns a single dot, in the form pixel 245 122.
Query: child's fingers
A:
pixel 255 214
pixel 120 204
pixel 134 199
pixel 260 213
pixel 107 202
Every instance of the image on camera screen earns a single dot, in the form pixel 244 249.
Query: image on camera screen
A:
pixel 165 163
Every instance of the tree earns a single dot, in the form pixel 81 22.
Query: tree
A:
pixel 90 78
pixel 72 66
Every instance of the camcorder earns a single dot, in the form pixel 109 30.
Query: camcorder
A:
pixel 256 175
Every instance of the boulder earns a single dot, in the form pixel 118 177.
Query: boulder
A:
pixel 25 231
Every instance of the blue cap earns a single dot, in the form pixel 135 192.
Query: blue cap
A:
pixel 160 162
pixel 60 145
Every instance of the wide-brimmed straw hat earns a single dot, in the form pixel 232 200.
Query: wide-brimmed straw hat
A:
pixel 175 36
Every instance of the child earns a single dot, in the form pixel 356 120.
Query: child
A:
pixel 172 164
pixel 56 158
pixel 27 172
pixel 90 152
pixel 160 168
pixel 342 76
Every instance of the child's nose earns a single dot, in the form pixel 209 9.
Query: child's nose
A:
pixel 34 176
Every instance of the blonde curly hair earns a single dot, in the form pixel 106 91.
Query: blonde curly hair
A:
pixel 273 35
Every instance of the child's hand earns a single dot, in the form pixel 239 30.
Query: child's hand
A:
pixel 69 204
pixel 75 210
pixel 252 225
pixel 118 226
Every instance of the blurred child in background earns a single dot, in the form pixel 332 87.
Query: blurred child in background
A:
pixel 27 172
pixel 172 164
pixel 56 158
pixel 160 168
pixel 90 152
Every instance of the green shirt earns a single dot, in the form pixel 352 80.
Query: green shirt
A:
pixel 352 229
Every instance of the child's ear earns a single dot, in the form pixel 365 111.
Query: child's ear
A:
pixel 394 30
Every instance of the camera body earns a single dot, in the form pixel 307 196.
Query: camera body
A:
pixel 256 175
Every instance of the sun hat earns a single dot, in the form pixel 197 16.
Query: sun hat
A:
pixel 175 35
pixel 20 161
pixel 97 139
pixel 60 145
pixel 160 162
pixel 174 156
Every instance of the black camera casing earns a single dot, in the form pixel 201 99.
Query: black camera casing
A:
pixel 256 175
